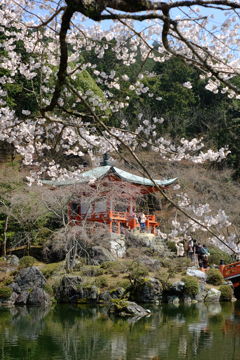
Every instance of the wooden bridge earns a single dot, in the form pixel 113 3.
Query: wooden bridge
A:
pixel 231 272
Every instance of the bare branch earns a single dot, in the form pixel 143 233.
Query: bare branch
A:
pixel 44 23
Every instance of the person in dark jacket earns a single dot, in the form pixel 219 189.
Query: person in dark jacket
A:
pixel 203 255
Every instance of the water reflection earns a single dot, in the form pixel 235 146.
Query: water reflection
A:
pixel 198 332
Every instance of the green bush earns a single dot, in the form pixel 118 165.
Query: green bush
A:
pixel 124 283
pixel 137 272
pixel 26 261
pixel 226 293
pixel 116 267
pixel 119 304
pixel 51 269
pixel 172 246
pixel 101 281
pixel 8 279
pixel 176 265
pixel 49 289
pixel 216 255
pixel 163 275
pixel 5 292
pixel 91 270
pixel 191 285
pixel 214 277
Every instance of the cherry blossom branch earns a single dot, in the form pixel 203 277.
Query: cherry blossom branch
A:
pixel 46 22
pixel 146 172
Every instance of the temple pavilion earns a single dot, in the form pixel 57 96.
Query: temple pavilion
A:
pixel 117 200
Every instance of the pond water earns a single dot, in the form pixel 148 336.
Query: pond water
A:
pixel 196 332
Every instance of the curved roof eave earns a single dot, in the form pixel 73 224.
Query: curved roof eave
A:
pixel 102 171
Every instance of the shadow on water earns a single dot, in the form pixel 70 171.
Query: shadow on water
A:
pixel 237 292
pixel 198 332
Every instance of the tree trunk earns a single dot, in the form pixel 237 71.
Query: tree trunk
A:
pixel 5 237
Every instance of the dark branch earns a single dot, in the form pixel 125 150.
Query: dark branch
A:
pixel 44 23
pixel 62 71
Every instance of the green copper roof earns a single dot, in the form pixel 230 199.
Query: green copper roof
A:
pixel 102 171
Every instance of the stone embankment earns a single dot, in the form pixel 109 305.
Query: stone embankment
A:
pixel 144 281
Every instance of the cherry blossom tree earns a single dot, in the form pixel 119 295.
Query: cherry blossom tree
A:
pixel 43 45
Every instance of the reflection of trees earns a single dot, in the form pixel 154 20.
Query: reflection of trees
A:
pixel 85 333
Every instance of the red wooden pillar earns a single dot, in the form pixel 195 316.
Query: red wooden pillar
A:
pixel 147 225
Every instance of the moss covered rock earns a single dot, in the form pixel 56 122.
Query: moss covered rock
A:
pixel 214 277
pixel 73 290
pixel 5 292
pixel 26 261
pixel 226 293
pixel 147 290
pixel 126 308
pixel 191 286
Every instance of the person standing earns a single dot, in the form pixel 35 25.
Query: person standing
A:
pixel 180 249
pixel 142 221
pixel 190 249
pixel 205 256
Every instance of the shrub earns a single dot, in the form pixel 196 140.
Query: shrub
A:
pixel 172 246
pixel 49 289
pixel 214 277
pixel 216 255
pixel 51 269
pixel 137 272
pixel 169 264
pixel 124 283
pixel 116 267
pixel 163 275
pixel 191 285
pixel 176 265
pixel 5 292
pixel 92 270
pixel 226 293
pixel 101 281
pixel 182 263
pixel 26 261
pixel 8 279
pixel 118 305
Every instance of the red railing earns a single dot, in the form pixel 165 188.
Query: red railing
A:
pixel 119 217
pixel 230 269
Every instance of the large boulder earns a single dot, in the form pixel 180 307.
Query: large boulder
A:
pixel 29 278
pixel 69 289
pixel 13 260
pixel 126 308
pixel 118 245
pixel 37 297
pixel 108 295
pixel 197 273
pixel 213 295
pixel 28 288
pixel 146 291
pixel 177 288
pixel 202 292
pixel 72 290
pixel 100 254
